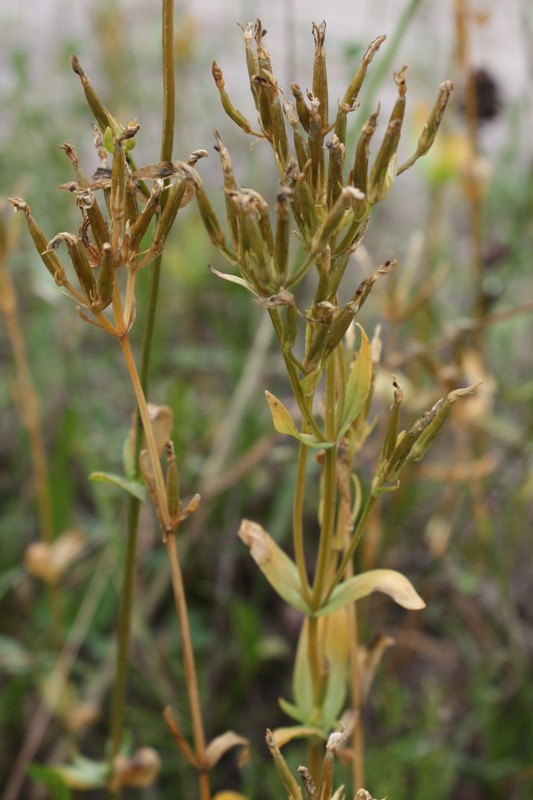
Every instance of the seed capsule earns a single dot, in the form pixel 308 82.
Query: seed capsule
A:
pixel 355 84
pixel 106 280
pixel 320 75
pixel 49 258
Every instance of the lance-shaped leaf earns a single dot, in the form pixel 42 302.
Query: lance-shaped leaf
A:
pixel 333 636
pixel 358 385
pixel 227 276
pixel 279 570
pixel 284 423
pixel 388 581
pixel 135 488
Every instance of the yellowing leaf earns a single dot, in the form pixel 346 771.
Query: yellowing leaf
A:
pixel 279 570
pixel 284 735
pixel 283 423
pixel 388 581
pixel 220 745
pixel 358 385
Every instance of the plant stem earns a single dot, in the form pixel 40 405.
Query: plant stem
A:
pixel 176 574
pixel 188 663
pixel 350 550
pixel 151 445
pixel 329 496
pixel 297 519
pixel 314 748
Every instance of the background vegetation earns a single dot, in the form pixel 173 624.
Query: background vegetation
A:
pixel 449 715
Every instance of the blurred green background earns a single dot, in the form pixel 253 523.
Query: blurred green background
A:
pixel 450 713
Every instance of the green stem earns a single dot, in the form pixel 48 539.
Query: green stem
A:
pixel 303 405
pixel 329 497
pixel 297 520
pixel 363 520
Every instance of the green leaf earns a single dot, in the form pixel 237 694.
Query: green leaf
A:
pixel 47 776
pixel 284 423
pixel 83 773
pixel 358 385
pixel 279 570
pixel 134 488
pixel 388 581
pixel 333 637
pixel 293 711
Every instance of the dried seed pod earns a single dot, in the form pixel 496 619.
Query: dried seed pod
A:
pixel 302 109
pixel 49 258
pixel 336 163
pixel 334 219
pixel 118 191
pixel 106 280
pixel 282 768
pixel 341 121
pixel 263 56
pixel 384 169
pixel 281 247
pixel 227 105
pixel 172 481
pixel 393 424
pixel 355 84
pixel 264 102
pixel 316 148
pixel 84 196
pixel 135 232
pixel 320 76
pixel 345 317
pixel 359 174
pixel 80 262
pixel 166 220
pixel 289 182
pixel 252 62
pixel 308 783
pixel 131 207
pixel 432 125
pixel 255 255
pixel 279 134
pixel 230 185
pixel 100 112
pixel 299 143
pixel 443 407
pixel 210 220
pixel 307 204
